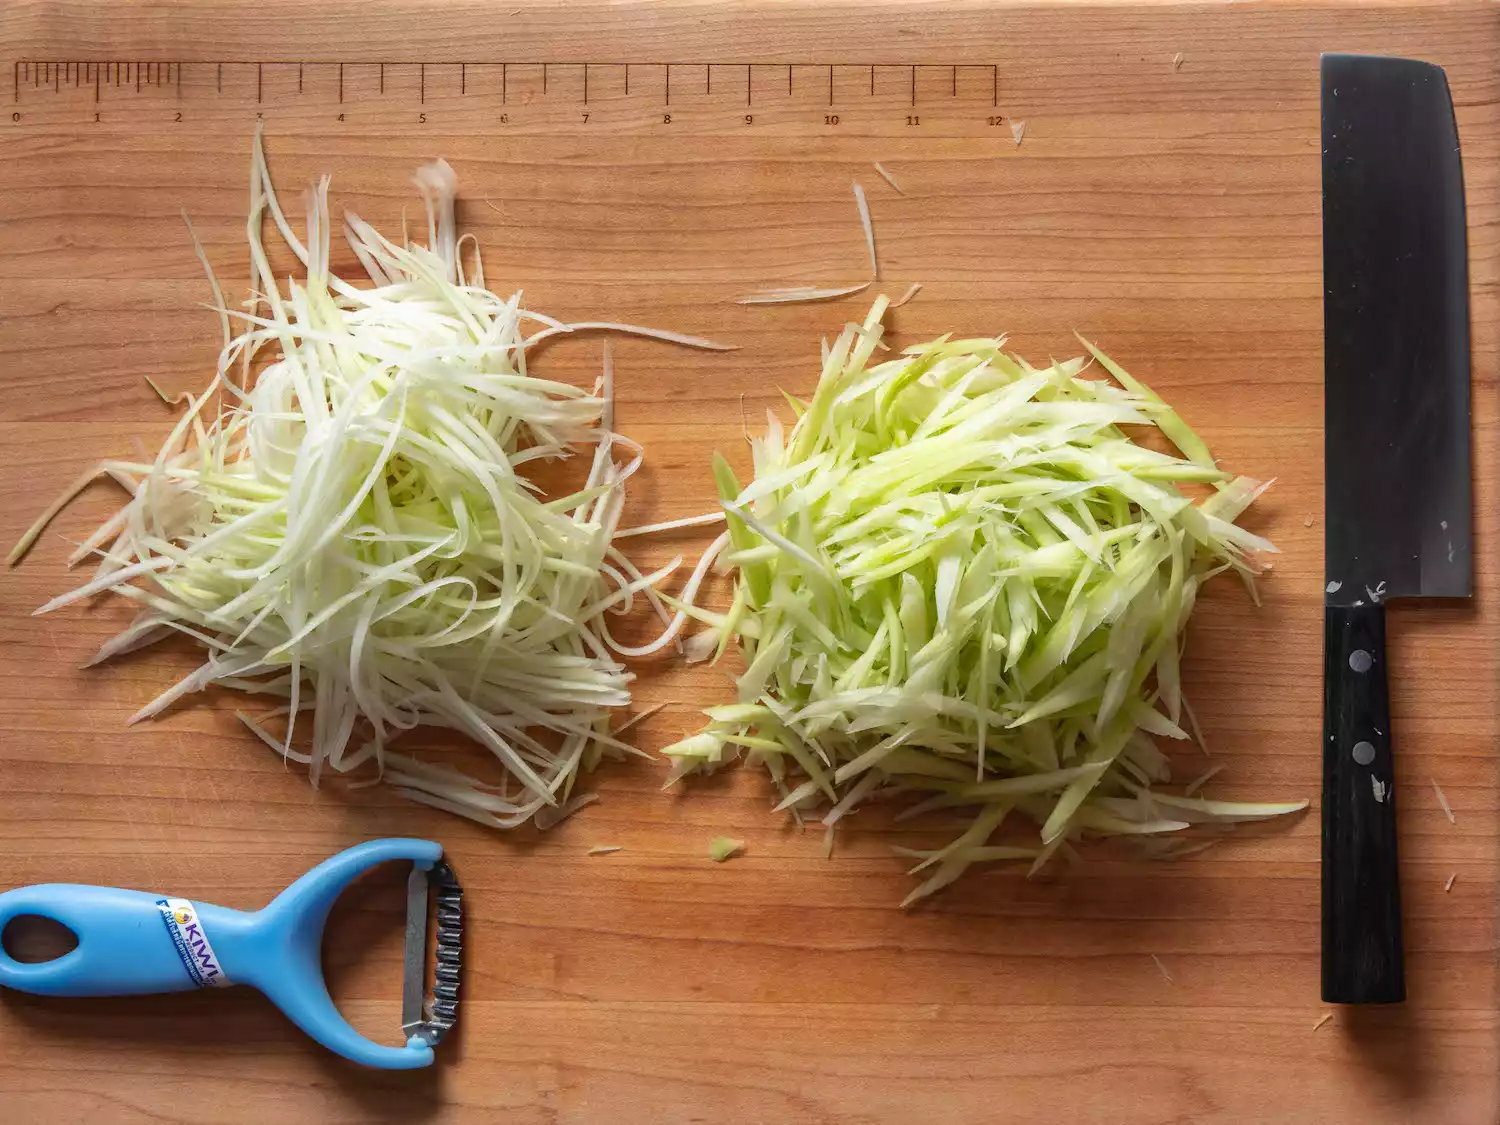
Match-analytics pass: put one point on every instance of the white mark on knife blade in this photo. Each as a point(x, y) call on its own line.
point(1443, 524)
point(1333, 587)
point(1450, 550)
point(1376, 594)
point(1380, 789)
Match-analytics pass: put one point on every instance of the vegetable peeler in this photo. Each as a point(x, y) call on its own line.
point(134, 942)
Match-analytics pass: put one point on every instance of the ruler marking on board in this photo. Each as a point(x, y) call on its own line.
point(542, 87)
point(819, 64)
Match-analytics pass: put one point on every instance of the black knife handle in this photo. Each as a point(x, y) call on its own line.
point(1362, 953)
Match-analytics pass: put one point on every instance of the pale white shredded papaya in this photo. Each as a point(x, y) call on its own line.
point(171, 400)
point(1443, 802)
point(911, 292)
point(959, 577)
point(1018, 130)
point(1448, 886)
point(1324, 1018)
point(1162, 969)
point(869, 229)
point(1198, 782)
point(671, 525)
point(605, 849)
point(553, 814)
point(628, 330)
point(349, 528)
point(220, 305)
point(888, 178)
point(66, 497)
point(639, 716)
point(800, 294)
point(1197, 731)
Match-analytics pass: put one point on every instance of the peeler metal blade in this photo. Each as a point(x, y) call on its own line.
point(429, 1018)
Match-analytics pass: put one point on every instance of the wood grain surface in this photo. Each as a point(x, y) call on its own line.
point(1164, 199)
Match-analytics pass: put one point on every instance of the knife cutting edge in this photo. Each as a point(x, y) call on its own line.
point(1396, 459)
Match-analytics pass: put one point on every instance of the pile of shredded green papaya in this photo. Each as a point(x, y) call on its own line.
point(960, 579)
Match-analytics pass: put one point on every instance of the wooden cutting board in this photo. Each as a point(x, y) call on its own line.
point(1163, 198)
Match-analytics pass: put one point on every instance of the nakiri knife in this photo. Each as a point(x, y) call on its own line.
point(1396, 458)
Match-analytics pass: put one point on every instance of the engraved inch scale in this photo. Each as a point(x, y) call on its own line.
point(927, 98)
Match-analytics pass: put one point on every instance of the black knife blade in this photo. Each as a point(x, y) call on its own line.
point(1396, 460)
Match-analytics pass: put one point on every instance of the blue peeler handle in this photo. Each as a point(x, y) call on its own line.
point(133, 942)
